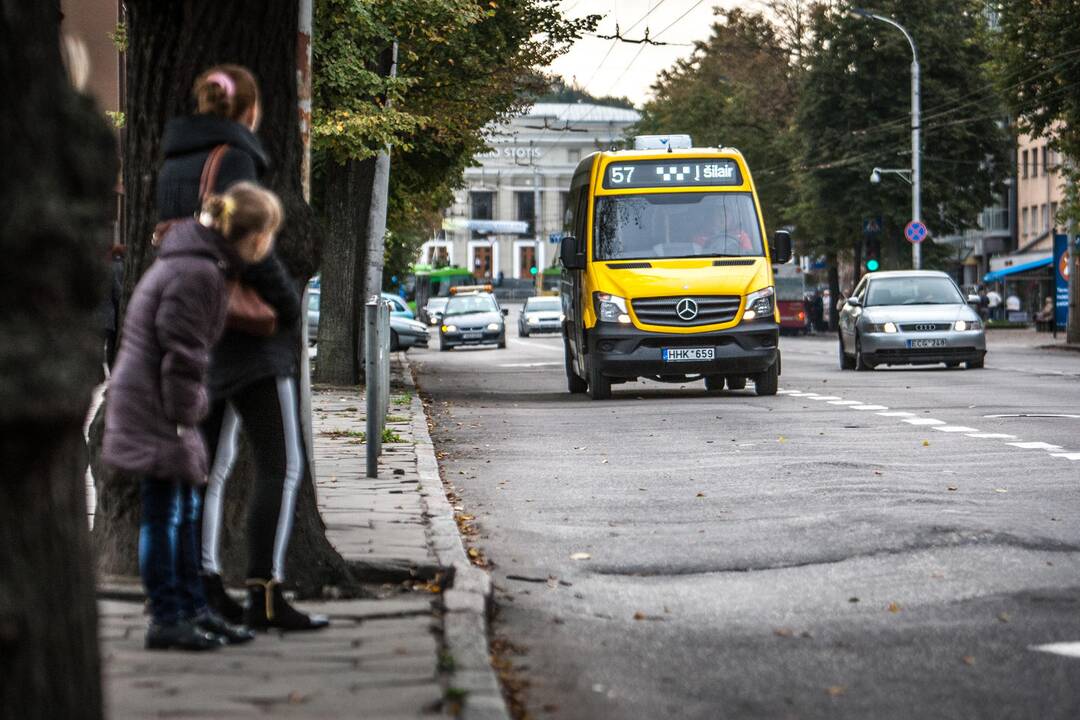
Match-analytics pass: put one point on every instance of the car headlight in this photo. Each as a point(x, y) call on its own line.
point(759, 304)
point(889, 327)
point(449, 328)
point(532, 317)
point(493, 327)
point(962, 325)
point(611, 308)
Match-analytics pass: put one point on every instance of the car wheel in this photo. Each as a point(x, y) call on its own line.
point(846, 363)
point(975, 364)
point(573, 383)
point(736, 382)
point(860, 359)
point(768, 382)
point(443, 347)
point(714, 383)
point(952, 365)
point(395, 342)
point(523, 332)
point(599, 386)
point(502, 340)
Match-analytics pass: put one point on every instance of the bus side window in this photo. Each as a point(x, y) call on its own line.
point(581, 216)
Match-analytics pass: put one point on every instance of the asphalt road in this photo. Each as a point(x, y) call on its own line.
point(680, 554)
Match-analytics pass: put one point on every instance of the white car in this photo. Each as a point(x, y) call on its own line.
point(541, 314)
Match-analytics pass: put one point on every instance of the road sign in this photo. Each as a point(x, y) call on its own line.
point(871, 226)
point(915, 232)
point(555, 238)
point(1061, 280)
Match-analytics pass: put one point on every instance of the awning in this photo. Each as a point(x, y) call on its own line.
point(1001, 274)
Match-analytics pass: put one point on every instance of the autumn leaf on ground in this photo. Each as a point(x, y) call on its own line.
point(1003, 617)
point(894, 607)
point(926, 443)
point(1000, 490)
point(968, 659)
point(835, 690)
point(952, 488)
point(701, 494)
point(474, 553)
point(784, 632)
point(580, 556)
point(639, 615)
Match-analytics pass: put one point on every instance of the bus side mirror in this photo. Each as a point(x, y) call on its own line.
point(780, 248)
point(570, 254)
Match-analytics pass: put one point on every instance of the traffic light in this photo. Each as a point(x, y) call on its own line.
point(872, 264)
point(533, 270)
point(873, 252)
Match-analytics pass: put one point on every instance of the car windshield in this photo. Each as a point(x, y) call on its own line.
point(465, 304)
point(437, 303)
point(546, 304)
point(676, 225)
point(913, 291)
point(790, 288)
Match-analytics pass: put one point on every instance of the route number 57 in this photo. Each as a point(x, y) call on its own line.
point(620, 175)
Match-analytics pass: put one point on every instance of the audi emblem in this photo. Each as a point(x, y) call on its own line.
point(925, 328)
point(686, 309)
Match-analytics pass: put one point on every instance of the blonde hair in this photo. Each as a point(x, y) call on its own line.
point(242, 210)
point(228, 91)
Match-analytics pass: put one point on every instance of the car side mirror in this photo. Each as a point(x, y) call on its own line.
point(570, 253)
point(506, 312)
point(780, 248)
point(854, 302)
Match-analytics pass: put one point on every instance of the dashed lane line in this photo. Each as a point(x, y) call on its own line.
point(827, 397)
point(992, 436)
point(845, 402)
point(897, 413)
point(1074, 456)
point(869, 407)
point(923, 421)
point(955, 428)
point(1068, 649)
point(1034, 446)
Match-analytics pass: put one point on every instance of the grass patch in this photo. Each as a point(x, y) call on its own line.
point(337, 434)
point(396, 419)
point(389, 436)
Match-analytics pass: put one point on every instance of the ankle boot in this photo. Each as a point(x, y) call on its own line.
point(268, 608)
point(220, 601)
point(182, 635)
point(211, 622)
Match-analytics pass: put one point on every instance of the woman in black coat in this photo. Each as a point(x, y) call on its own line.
point(252, 378)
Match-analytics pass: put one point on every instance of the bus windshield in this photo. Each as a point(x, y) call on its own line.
point(676, 225)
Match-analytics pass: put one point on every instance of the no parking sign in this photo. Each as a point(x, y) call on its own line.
point(915, 232)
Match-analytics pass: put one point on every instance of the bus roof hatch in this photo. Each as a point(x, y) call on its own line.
point(663, 142)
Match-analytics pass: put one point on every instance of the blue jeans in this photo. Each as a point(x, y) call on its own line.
point(169, 550)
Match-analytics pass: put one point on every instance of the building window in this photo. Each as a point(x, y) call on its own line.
point(1053, 214)
point(1024, 221)
point(482, 262)
point(573, 155)
point(481, 207)
point(1046, 165)
point(526, 209)
point(1035, 162)
point(1024, 165)
point(526, 261)
point(1045, 217)
point(564, 210)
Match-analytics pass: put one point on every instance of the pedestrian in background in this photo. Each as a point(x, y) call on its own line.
point(995, 304)
point(157, 397)
point(110, 306)
point(984, 304)
point(252, 378)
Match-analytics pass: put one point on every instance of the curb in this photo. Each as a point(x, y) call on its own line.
point(467, 602)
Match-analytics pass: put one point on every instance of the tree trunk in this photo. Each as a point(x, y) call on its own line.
point(346, 199)
point(56, 191)
point(833, 312)
point(169, 45)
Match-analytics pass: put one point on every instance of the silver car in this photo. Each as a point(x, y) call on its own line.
point(909, 317)
point(541, 314)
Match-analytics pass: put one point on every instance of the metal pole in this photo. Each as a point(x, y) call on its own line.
point(377, 213)
point(536, 219)
point(371, 390)
point(916, 157)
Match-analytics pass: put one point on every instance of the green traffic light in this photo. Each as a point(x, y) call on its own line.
point(872, 265)
point(532, 270)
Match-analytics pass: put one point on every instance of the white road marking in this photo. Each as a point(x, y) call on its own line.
point(811, 395)
point(529, 365)
point(924, 421)
point(992, 436)
point(869, 407)
point(897, 413)
point(1068, 455)
point(828, 397)
point(1034, 446)
point(845, 402)
point(1068, 649)
point(955, 428)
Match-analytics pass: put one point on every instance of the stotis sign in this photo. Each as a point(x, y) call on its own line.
point(676, 172)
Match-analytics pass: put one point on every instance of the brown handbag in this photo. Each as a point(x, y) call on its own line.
point(246, 311)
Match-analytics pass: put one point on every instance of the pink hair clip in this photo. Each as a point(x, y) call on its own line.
point(226, 82)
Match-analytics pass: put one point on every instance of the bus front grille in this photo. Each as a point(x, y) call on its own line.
point(711, 310)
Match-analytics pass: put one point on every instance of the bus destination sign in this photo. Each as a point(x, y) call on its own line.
point(668, 173)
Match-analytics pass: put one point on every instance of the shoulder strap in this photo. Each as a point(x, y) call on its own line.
point(210, 171)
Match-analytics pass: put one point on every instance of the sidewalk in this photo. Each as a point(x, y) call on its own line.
point(392, 657)
point(1027, 337)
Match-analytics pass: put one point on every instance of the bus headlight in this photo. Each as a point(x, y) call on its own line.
point(759, 304)
point(611, 308)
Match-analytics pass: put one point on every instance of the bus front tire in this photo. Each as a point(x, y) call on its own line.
point(574, 384)
point(714, 383)
point(768, 382)
point(736, 382)
point(599, 386)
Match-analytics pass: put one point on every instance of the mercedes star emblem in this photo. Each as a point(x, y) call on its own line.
point(686, 309)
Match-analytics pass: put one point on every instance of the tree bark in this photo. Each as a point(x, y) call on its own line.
point(346, 198)
point(169, 45)
point(56, 191)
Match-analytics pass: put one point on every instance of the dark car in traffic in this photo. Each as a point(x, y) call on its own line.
point(472, 318)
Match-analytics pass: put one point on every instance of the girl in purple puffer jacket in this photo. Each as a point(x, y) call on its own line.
point(157, 397)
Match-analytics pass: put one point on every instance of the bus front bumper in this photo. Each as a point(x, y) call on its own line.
point(621, 351)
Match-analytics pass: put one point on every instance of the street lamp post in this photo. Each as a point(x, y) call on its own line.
point(916, 156)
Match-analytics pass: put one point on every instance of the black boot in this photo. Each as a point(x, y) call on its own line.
point(220, 601)
point(268, 608)
point(182, 635)
point(211, 622)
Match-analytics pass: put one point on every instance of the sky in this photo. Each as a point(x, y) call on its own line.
point(629, 69)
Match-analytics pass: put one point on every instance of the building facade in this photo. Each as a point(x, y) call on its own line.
point(508, 218)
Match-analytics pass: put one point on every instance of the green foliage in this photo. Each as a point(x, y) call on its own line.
point(854, 114)
point(1039, 62)
point(735, 90)
point(117, 118)
point(119, 38)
